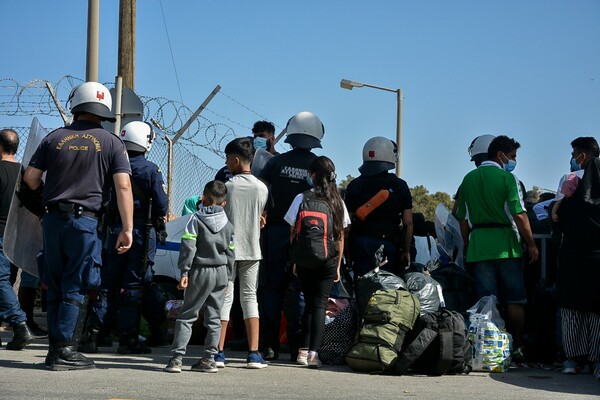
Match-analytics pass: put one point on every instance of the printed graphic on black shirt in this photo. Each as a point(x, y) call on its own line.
point(293, 173)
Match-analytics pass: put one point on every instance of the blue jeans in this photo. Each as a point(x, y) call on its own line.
point(10, 310)
point(72, 259)
point(502, 277)
point(120, 294)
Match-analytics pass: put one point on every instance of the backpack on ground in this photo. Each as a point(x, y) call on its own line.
point(389, 315)
point(438, 344)
point(458, 287)
point(313, 242)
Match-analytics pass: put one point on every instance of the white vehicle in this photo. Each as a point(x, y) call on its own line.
point(167, 255)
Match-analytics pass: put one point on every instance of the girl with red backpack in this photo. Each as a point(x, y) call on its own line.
point(317, 218)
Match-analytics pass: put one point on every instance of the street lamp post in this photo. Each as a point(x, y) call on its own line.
point(348, 84)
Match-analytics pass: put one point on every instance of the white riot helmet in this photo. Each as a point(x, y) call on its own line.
point(93, 98)
point(379, 154)
point(305, 130)
point(138, 136)
point(478, 150)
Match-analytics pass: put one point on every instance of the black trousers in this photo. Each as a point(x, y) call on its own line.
point(316, 285)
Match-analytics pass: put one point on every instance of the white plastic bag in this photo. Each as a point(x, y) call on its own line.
point(491, 344)
point(487, 306)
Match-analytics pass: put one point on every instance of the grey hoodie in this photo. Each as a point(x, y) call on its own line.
point(207, 241)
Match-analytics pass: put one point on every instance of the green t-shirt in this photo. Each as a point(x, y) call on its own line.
point(490, 195)
point(189, 205)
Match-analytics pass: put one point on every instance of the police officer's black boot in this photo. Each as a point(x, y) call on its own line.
point(21, 337)
point(65, 358)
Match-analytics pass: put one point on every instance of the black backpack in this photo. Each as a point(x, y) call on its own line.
point(438, 344)
point(313, 243)
point(458, 287)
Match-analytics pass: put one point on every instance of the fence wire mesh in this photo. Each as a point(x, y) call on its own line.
point(197, 155)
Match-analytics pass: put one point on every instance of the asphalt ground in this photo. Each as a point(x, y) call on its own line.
point(24, 376)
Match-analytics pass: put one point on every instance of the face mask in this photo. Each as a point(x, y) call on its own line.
point(574, 165)
point(309, 181)
point(260, 143)
point(509, 165)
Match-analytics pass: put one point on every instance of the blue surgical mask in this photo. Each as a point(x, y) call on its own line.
point(309, 181)
point(574, 165)
point(510, 166)
point(260, 143)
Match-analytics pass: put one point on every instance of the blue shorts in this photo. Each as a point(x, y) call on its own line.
point(502, 277)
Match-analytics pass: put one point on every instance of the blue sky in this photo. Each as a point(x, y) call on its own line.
point(527, 69)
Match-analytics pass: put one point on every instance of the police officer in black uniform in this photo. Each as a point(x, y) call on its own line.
point(287, 175)
point(383, 226)
point(124, 276)
point(81, 161)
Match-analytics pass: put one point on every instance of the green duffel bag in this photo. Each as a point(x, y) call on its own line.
point(388, 316)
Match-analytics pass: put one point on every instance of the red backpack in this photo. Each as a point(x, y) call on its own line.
point(313, 243)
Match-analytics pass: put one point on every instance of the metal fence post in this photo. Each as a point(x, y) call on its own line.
point(169, 174)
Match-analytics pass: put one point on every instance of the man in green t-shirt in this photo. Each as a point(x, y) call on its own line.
point(493, 221)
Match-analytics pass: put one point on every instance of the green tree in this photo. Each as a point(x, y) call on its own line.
point(426, 203)
point(345, 182)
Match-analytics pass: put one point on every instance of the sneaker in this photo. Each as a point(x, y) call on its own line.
point(205, 365)
point(313, 360)
point(174, 365)
point(569, 367)
point(255, 361)
point(597, 371)
point(302, 358)
point(220, 359)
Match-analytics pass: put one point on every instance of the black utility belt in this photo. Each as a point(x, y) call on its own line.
point(68, 209)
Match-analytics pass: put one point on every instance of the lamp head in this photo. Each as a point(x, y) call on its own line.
point(348, 84)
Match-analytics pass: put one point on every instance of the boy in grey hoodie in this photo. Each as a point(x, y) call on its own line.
point(206, 258)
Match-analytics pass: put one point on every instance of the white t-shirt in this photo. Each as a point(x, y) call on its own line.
point(292, 212)
point(246, 200)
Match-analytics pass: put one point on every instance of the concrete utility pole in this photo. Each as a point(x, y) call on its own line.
point(126, 65)
point(91, 68)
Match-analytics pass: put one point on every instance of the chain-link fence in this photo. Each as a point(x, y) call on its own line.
point(197, 155)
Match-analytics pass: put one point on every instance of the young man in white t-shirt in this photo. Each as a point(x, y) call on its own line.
point(246, 201)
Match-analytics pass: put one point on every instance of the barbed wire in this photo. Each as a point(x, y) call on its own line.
point(198, 153)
